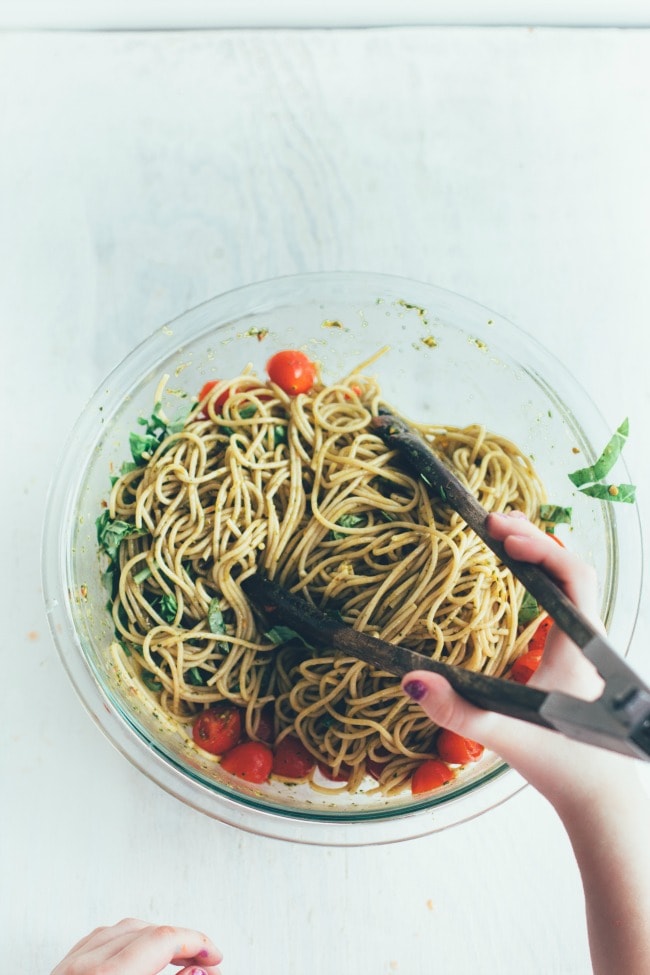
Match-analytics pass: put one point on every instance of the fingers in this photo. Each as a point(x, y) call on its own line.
point(524, 541)
point(133, 947)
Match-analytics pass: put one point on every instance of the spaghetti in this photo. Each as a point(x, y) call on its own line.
point(299, 487)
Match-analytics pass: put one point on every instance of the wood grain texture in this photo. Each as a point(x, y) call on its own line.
point(143, 173)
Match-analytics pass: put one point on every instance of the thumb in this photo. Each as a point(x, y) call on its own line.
point(447, 709)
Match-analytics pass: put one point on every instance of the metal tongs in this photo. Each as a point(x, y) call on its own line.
point(618, 720)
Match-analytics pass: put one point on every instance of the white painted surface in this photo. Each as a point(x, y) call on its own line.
point(142, 174)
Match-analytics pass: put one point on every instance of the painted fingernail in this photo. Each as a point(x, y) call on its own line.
point(203, 953)
point(198, 971)
point(415, 689)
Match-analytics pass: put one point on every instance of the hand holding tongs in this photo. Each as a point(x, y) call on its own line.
point(618, 720)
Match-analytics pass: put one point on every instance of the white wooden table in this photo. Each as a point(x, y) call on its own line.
point(143, 173)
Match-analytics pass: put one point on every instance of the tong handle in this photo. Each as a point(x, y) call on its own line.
point(419, 455)
point(489, 693)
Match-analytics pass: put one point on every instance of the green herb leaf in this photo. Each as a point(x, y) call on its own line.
point(166, 606)
point(279, 434)
point(555, 514)
point(142, 444)
point(111, 532)
point(625, 493)
point(606, 461)
point(529, 609)
point(151, 681)
point(284, 634)
point(142, 575)
point(347, 521)
point(195, 676)
point(388, 516)
point(247, 412)
point(216, 622)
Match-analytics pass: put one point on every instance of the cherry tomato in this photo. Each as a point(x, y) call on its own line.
point(525, 666)
point(375, 768)
point(220, 400)
point(292, 371)
point(218, 728)
point(456, 750)
point(430, 775)
point(538, 640)
point(292, 760)
point(266, 725)
point(251, 761)
point(343, 775)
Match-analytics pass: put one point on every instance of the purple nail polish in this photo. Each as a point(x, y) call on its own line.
point(198, 971)
point(203, 953)
point(415, 689)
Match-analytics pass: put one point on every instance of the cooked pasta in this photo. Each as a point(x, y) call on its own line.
point(302, 489)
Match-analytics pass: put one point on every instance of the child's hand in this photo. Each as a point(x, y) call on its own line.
point(135, 948)
point(557, 766)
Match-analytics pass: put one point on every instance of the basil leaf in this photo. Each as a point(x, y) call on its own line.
point(141, 444)
point(284, 634)
point(142, 575)
point(606, 460)
point(151, 681)
point(555, 514)
point(611, 492)
point(195, 676)
point(111, 532)
point(388, 516)
point(166, 606)
point(279, 434)
point(529, 609)
point(216, 622)
point(247, 412)
point(347, 521)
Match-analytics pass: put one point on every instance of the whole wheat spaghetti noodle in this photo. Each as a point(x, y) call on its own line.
point(302, 489)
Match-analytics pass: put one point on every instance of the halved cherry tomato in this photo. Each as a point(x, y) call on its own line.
point(456, 750)
point(525, 666)
point(430, 775)
point(218, 728)
point(266, 726)
point(292, 371)
point(251, 761)
point(538, 640)
point(343, 775)
point(220, 400)
point(292, 760)
point(374, 768)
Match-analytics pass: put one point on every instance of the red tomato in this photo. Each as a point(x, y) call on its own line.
point(292, 760)
point(218, 728)
point(456, 750)
point(292, 371)
point(524, 668)
point(374, 768)
point(430, 775)
point(266, 725)
point(343, 774)
point(220, 400)
point(538, 640)
point(251, 761)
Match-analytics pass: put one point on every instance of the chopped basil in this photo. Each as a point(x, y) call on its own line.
point(611, 492)
point(555, 514)
point(195, 676)
point(142, 575)
point(216, 622)
point(111, 532)
point(279, 434)
point(284, 634)
point(387, 516)
point(166, 606)
point(151, 681)
point(604, 464)
point(142, 444)
point(347, 521)
point(247, 412)
point(529, 609)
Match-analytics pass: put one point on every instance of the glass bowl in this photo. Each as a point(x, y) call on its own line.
point(450, 361)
